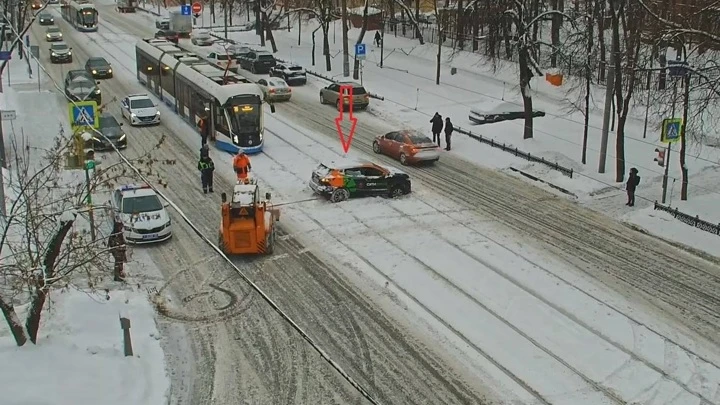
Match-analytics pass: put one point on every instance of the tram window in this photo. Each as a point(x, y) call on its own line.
point(220, 120)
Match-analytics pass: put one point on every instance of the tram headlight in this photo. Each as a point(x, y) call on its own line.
point(261, 136)
point(235, 139)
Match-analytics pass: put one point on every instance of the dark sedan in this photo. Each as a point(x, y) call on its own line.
point(113, 134)
point(46, 19)
point(99, 68)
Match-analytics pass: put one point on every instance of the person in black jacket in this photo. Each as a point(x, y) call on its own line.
point(378, 38)
point(448, 132)
point(207, 169)
point(204, 151)
point(631, 185)
point(118, 249)
point(437, 126)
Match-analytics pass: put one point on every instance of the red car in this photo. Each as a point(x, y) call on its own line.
point(409, 147)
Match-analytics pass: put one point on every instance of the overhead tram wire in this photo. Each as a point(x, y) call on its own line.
point(356, 385)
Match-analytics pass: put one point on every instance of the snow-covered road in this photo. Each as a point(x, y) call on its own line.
point(447, 253)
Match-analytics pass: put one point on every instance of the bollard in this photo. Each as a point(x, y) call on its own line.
point(127, 343)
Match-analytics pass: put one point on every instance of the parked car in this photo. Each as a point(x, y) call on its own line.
point(202, 38)
point(292, 74)
point(45, 18)
point(113, 134)
point(339, 182)
point(239, 51)
point(99, 68)
point(139, 109)
point(501, 112)
point(409, 147)
point(143, 214)
point(275, 89)
point(331, 95)
point(60, 52)
point(81, 86)
point(53, 34)
point(257, 62)
point(168, 35)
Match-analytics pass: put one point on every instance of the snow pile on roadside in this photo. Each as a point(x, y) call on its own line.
point(79, 357)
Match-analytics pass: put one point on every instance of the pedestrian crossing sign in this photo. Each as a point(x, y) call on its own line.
point(83, 114)
point(671, 130)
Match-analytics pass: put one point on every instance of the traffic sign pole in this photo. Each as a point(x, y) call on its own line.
point(90, 165)
point(669, 148)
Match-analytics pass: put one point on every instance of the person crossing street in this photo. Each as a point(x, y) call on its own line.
point(437, 126)
point(242, 167)
point(449, 128)
point(207, 172)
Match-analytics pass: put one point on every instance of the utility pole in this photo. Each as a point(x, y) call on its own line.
point(382, 38)
point(3, 165)
point(609, 84)
point(346, 55)
point(669, 147)
point(90, 165)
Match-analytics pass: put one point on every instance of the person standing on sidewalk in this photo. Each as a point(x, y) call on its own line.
point(631, 185)
point(448, 132)
point(378, 38)
point(118, 249)
point(437, 126)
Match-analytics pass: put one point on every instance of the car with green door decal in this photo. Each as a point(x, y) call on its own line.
point(341, 181)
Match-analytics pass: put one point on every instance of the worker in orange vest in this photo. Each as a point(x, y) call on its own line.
point(241, 165)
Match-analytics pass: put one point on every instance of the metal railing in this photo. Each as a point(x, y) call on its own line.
point(693, 221)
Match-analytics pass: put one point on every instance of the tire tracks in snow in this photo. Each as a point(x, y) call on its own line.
point(598, 385)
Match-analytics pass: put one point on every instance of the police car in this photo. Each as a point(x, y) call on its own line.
point(142, 213)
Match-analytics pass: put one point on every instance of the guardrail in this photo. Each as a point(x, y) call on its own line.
point(488, 141)
point(693, 221)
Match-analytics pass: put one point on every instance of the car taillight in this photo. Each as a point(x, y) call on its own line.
point(272, 90)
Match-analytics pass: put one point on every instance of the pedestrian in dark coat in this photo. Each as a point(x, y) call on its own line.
point(437, 126)
point(632, 183)
point(448, 132)
point(204, 128)
point(207, 170)
point(118, 249)
point(378, 38)
point(204, 151)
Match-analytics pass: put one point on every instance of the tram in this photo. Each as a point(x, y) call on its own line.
point(82, 15)
point(193, 87)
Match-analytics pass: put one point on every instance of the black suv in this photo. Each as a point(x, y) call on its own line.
point(257, 61)
point(292, 74)
point(339, 182)
point(81, 86)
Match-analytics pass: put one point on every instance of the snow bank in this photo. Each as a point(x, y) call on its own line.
point(79, 358)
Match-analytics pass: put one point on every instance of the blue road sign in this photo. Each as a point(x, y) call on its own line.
point(360, 51)
point(185, 9)
point(5, 55)
point(84, 114)
point(671, 130)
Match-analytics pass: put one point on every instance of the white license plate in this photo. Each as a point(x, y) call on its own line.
point(151, 236)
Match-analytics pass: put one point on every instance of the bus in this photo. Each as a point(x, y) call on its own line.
point(81, 15)
point(193, 87)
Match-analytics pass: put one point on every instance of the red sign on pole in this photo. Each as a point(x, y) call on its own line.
point(197, 8)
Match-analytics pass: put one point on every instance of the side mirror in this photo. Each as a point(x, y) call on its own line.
point(122, 123)
point(97, 82)
point(272, 108)
point(267, 196)
point(166, 204)
point(71, 48)
point(223, 197)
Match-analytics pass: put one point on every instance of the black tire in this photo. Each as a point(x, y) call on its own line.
point(252, 68)
point(403, 159)
point(339, 195)
point(397, 192)
point(376, 147)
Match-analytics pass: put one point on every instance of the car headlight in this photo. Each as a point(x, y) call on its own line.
point(53, 54)
point(69, 53)
point(94, 71)
point(133, 115)
point(97, 91)
point(109, 70)
point(60, 35)
point(167, 225)
point(47, 35)
point(157, 113)
point(122, 138)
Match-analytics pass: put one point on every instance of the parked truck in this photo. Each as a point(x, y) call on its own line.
point(126, 6)
point(182, 24)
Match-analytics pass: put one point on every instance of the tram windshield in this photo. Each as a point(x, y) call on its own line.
point(88, 17)
point(245, 118)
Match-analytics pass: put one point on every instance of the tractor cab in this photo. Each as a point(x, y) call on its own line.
point(248, 223)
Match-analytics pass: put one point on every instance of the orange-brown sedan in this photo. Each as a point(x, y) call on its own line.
point(409, 147)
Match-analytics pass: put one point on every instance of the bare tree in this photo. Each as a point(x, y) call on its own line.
point(361, 36)
point(413, 20)
point(524, 18)
point(46, 242)
point(15, 15)
point(322, 11)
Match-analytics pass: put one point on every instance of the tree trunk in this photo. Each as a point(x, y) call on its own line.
point(417, 18)
point(326, 46)
point(683, 141)
point(32, 322)
point(268, 32)
point(525, 75)
point(600, 16)
point(588, 79)
point(313, 45)
point(555, 32)
point(459, 24)
point(438, 59)
point(13, 322)
point(475, 28)
point(363, 29)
